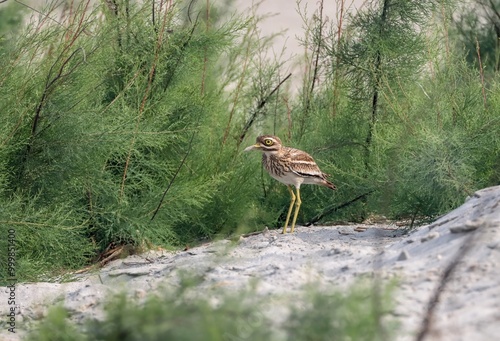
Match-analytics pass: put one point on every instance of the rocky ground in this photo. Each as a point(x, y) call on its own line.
point(329, 256)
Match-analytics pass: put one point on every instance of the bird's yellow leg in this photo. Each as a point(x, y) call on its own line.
point(289, 209)
point(297, 208)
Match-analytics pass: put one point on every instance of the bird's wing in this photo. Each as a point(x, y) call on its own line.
point(303, 164)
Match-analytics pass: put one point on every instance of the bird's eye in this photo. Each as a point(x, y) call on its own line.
point(268, 142)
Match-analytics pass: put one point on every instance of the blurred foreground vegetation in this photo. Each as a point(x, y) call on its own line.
point(234, 316)
point(123, 122)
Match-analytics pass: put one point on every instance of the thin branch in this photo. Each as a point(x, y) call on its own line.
point(175, 175)
point(376, 90)
point(180, 54)
point(50, 83)
point(153, 22)
point(336, 208)
point(289, 116)
point(446, 33)
point(238, 90)
point(337, 63)
point(205, 57)
point(481, 72)
point(275, 112)
point(144, 100)
point(318, 34)
point(43, 225)
point(252, 118)
point(191, 3)
point(46, 16)
point(318, 50)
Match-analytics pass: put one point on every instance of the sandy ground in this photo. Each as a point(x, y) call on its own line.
point(329, 257)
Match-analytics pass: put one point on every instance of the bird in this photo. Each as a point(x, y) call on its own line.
point(289, 166)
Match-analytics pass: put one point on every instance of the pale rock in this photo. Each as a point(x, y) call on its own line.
point(429, 236)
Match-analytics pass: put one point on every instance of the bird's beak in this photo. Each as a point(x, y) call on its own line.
point(252, 147)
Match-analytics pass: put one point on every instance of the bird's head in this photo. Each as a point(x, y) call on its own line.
point(266, 143)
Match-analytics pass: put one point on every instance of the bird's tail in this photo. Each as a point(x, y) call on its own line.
point(330, 185)
point(327, 183)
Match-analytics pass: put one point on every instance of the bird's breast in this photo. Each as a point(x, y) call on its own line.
point(274, 165)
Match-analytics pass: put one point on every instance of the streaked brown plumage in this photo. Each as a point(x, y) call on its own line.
point(289, 166)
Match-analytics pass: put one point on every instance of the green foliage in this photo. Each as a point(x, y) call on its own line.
point(11, 17)
point(234, 316)
point(167, 317)
point(477, 32)
point(46, 240)
point(102, 117)
point(441, 153)
point(56, 328)
point(355, 315)
point(397, 114)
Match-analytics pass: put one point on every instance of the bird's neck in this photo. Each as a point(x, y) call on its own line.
point(272, 152)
